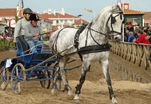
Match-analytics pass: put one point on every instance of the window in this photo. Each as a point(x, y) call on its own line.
point(134, 20)
point(57, 21)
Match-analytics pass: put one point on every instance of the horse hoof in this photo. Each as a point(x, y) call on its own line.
point(53, 92)
point(76, 98)
point(77, 101)
point(114, 101)
point(70, 97)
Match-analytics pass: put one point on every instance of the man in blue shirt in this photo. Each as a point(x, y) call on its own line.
point(130, 37)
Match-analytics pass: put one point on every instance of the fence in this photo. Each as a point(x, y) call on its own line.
point(139, 54)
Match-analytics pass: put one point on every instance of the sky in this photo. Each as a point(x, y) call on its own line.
point(75, 7)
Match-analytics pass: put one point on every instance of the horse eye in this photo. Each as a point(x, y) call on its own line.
point(120, 16)
point(113, 20)
point(123, 22)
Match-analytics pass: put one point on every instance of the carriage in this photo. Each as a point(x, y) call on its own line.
point(26, 66)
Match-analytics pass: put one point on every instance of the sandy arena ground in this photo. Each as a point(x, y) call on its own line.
point(94, 90)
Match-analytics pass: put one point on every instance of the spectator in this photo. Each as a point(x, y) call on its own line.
point(141, 38)
point(130, 27)
point(130, 37)
point(126, 27)
point(126, 35)
point(147, 33)
point(136, 28)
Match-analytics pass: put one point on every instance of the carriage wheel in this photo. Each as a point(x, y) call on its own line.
point(59, 84)
point(16, 77)
point(45, 74)
point(4, 78)
point(56, 76)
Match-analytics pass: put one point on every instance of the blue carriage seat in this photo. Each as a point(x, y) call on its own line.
point(21, 45)
point(34, 58)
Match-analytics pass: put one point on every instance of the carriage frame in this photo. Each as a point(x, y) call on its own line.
point(27, 66)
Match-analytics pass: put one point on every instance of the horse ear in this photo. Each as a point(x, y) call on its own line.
point(117, 9)
point(113, 5)
point(119, 4)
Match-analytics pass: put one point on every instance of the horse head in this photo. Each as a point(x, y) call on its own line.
point(109, 21)
point(115, 21)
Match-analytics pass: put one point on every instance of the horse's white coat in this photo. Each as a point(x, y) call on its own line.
point(63, 39)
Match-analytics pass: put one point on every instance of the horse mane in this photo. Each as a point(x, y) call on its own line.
point(103, 15)
point(110, 9)
point(116, 9)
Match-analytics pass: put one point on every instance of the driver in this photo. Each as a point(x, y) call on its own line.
point(32, 33)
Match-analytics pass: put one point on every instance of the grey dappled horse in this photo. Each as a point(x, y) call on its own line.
point(90, 45)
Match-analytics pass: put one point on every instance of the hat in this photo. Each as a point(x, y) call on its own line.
point(34, 17)
point(27, 11)
point(146, 31)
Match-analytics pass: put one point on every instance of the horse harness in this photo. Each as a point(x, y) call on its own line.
point(89, 49)
point(86, 49)
point(93, 48)
point(113, 20)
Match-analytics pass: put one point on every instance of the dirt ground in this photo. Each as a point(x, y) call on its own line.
point(94, 90)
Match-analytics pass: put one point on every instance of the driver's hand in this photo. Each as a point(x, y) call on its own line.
point(14, 41)
point(36, 34)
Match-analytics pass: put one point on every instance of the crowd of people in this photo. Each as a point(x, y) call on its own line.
point(137, 34)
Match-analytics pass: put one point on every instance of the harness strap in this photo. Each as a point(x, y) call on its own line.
point(76, 39)
point(94, 48)
point(54, 46)
point(89, 27)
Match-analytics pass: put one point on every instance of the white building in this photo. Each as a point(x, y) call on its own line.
point(61, 19)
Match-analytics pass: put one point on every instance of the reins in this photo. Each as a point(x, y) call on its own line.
point(89, 28)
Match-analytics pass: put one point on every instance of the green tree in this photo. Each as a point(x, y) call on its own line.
point(16, 18)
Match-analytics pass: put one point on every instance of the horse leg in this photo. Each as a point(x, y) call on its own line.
point(53, 84)
point(85, 69)
point(105, 69)
point(62, 63)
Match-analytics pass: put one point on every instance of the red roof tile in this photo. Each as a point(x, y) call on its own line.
point(147, 15)
point(58, 15)
point(129, 11)
point(7, 12)
point(2, 19)
point(43, 17)
point(80, 21)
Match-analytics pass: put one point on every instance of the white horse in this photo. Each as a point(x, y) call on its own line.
point(88, 45)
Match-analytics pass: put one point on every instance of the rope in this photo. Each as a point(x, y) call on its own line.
point(48, 59)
